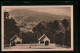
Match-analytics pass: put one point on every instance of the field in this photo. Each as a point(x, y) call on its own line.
point(34, 46)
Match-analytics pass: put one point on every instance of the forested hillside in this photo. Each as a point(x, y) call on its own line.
point(31, 25)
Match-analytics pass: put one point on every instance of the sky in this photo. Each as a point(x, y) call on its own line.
point(58, 10)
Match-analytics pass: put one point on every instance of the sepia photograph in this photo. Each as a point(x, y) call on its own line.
point(37, 28)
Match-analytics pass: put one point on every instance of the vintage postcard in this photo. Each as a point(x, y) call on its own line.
point(37, 28)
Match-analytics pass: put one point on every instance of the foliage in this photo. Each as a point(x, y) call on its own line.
point(52, 29)
point(39, 30)
point(28, 38)
point(65, 23)
point(59, 38)
point(68, 38)
point(56, 30)
point(10, 29)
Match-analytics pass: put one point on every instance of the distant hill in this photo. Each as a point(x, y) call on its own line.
point(26, 17)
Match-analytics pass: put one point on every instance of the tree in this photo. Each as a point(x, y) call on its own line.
point(28, 38)
point(59, 38)
point(10, 29)
point(52, 27)
point(50, 31)
point(56, 25)
point(68, 38)
point(65, 23)
point(67, 33)
point(38, 30)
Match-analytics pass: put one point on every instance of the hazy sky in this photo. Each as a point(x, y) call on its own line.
point(59, 10)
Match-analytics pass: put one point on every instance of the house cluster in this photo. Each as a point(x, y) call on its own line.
point(41, 40)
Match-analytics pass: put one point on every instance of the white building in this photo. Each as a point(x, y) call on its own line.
point(44, 40)
point(15, 40)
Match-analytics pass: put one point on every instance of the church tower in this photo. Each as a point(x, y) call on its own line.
point(6, 15)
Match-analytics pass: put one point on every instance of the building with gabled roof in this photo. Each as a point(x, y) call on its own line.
point(15, 40)
point(44, 40)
